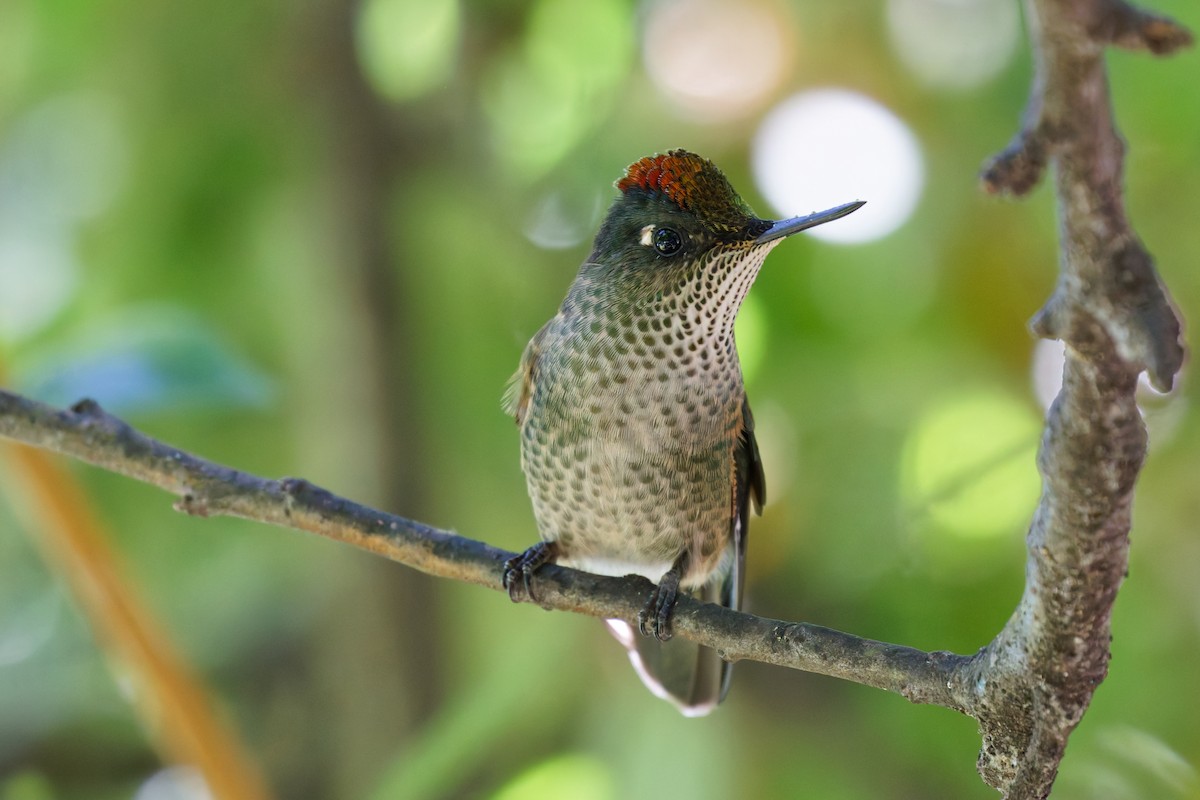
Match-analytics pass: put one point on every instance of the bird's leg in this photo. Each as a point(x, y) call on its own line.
point(519, 570)
point(655, 619)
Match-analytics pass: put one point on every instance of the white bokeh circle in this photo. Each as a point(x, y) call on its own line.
point(824, 147)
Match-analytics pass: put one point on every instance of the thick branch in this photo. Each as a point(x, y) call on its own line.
point(1113, 313)
point(90, 434)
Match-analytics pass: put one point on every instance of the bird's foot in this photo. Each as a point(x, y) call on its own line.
point(655, 619)
point(518, 571)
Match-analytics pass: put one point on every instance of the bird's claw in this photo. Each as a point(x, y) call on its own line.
point(655, 619)
point(518, 570)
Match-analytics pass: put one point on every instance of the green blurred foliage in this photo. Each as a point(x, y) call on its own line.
point(299, 238)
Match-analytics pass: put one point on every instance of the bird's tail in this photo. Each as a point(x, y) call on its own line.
point(691, 676)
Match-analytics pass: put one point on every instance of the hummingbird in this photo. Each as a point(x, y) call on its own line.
point(637, 440)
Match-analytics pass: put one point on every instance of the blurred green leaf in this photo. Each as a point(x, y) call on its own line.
point(577, 776)
point(543, 98)
point(27, 786)
point(407, 46)
point(1154, 756)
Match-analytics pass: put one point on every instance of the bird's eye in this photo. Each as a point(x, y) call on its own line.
point(667, 241)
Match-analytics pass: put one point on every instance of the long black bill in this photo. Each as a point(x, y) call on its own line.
point(786, 227)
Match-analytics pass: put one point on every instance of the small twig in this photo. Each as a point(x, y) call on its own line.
point(1018, 168)
point(1125, 26)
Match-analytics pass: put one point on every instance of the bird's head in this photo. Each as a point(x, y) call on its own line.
point(676, 218)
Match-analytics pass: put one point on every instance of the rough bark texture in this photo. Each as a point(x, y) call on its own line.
point(1036, 679)
point(1031, 685)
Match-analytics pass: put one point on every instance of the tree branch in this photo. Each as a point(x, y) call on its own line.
point(1116, 319)
point(88, 433)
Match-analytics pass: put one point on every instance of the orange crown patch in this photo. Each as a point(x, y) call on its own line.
point(692, 183)
point(673, 174)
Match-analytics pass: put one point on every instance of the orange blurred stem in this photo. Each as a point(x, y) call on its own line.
point(171, 701)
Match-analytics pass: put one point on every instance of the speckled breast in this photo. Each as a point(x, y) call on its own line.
point(628, 442)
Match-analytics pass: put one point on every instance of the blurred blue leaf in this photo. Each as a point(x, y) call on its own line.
point(153, 358)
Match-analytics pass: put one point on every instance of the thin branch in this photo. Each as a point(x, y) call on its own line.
point(90, 434)
point(1123, 25)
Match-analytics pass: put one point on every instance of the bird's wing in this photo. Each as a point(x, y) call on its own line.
point(749, 490)
point(520, 385)
point(711, 674)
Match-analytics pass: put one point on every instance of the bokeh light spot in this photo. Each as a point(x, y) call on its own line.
point(954, 44)
point(61, 163)
point(562, 219)
point(407, 47)
point(589, 40)
point(38, 277)
point(829, 146)
point(174, 783)
point(575, 776)
point(1049, 356)
point(1162, 413)
point(716, 59)
point(969, 464)
point(542, 98)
